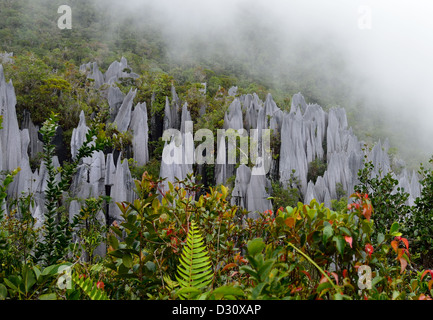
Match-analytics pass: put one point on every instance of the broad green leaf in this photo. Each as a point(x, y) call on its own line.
point(311, 213)
point(380, 238)
point(323, 286)
point(37, 272)
point(150, 266)
point(255, 246)
point(251, 272)
point(265, 269)
point(116, 253)
point(340, 243)
point(280, 221)
point(257, 290)
point(376, 280)
point(3, 292)
point(50, 270)
point(228, 290)
point(112, 240)
point(28, 278)
point(327, 233)
point(345, 231)
point(12, 285)
point(127, 260)
point(224, 191)
point(394, 228)
point(48, 296)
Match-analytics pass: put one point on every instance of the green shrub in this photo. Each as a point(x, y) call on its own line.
point(389, 206)
point(419, 224)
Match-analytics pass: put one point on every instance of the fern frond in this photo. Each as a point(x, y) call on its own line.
point(89, 288)
point(194, 268)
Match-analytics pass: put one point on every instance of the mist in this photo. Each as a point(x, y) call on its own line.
point(384, 68)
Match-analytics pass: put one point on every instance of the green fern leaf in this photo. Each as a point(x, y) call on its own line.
point(89, 288)
point(194, 269)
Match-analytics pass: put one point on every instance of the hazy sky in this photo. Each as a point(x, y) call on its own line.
point(393, 54)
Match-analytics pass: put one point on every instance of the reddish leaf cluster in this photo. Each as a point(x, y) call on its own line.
point(369, 249)
point(401, 251)
point(363, 203)
point(100, 285)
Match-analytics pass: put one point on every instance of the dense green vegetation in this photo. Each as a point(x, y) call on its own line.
point(179, 247)
point(295, 251)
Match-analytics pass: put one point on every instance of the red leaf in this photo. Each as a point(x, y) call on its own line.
point(323, 279)
point(335, 277)
point(290, 222)
point(394, 245)
point(400, 253)
point(366, 212)
point(348, 240)
point(430, 283)
point(369, 249)
point(345, 273)
point(229, 266)
point(403, 263)
point(296, 290)
point(406, 243)
point(424, 273)
point(100, 285)
point(234, 273)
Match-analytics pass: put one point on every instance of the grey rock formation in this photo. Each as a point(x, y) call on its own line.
point(311, 193)
point(123, 117)
point(233, 118)
point(10, 134)
point(257, 195)
point(176, 158)
point(119, 70)
point(172, 110)
point(97, 174)
point(233, 91)
point(110, 170)
point(304, 133)
point(298, 101)
point(252, 106)
point(115, 100)
point(79, 135)
point(172, 162)
point(122, 189)
point(292, 153)
point(23, 183)
point(35, 145)
point(242, 181)
point(337, 122)
point(92, 71)
point(140, 130)
point(74, 210)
